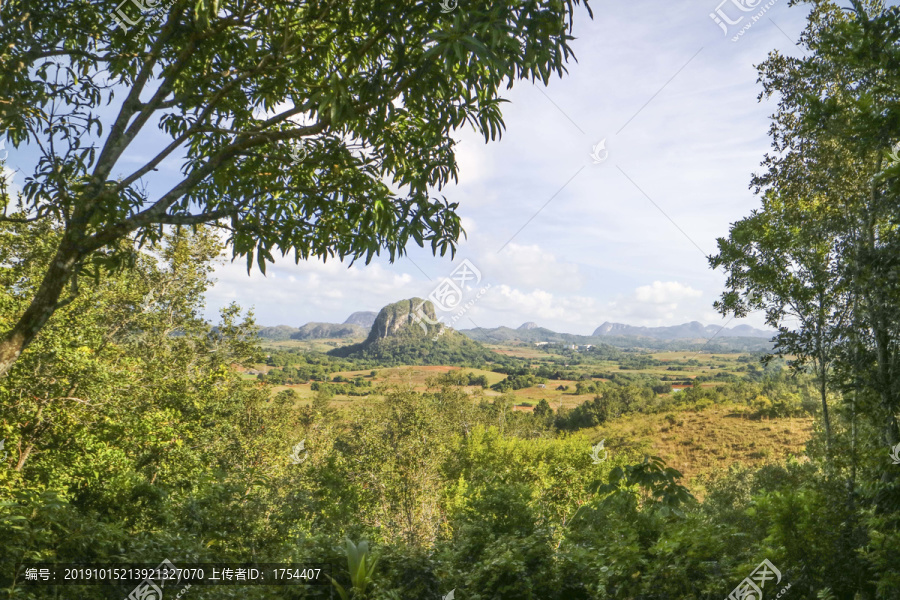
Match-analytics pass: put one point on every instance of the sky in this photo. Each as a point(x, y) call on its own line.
point(601, 201)
point(557, 238)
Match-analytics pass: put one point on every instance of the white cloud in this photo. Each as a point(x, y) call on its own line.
point(667, 292)
point(531, 267)
point(295, 294)
point(660, 303)
point(591, 243)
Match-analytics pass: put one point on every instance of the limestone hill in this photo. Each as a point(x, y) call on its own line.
point(403, 333)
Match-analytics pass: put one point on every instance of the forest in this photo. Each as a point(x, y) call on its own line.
point(132, 433)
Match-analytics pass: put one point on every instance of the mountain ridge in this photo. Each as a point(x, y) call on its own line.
point(363, 318)
point(408, 332)
point(686, 335)
point(691, 330)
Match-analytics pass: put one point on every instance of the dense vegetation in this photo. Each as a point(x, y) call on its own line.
point(412, 346)
point(137, 459)
point(131, 434)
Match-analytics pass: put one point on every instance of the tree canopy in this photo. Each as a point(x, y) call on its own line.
point(314, 128)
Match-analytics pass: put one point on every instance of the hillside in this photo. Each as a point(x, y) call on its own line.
point(692, 336)
point(277, 333)
point(700, 443)
point(708, 342)
point(313, 331)
point(692, 330)
point(362, 318)
point(399, 337)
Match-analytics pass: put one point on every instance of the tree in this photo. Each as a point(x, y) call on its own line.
point(783, 259)
point(121, 436)
point(368, 93)
point(836, 176)
point(822, 249)
point(543, 410)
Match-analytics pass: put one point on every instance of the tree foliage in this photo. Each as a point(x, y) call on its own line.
point(372, 93)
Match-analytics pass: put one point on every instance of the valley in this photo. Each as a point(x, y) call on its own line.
point(695, 420)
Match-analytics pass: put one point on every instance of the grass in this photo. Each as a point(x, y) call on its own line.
point(695, 443)
point(322, 345)
point(698, 443)
point(520, 351)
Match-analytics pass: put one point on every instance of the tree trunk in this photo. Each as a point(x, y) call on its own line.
point(823, 390)
point(43, 305)
point(23, 456)
point(823, 372)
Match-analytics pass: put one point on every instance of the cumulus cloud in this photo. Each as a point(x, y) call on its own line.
point(310, 291)
point(659, 303)
point(592, 242)
point(530, 266)
point(660, 292)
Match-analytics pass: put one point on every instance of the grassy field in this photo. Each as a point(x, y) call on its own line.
point(416, 377)
point(683, 364)
point(521, 351)
point(695, 443)
point(698, 443)
point(322, 345)
point(677, 366)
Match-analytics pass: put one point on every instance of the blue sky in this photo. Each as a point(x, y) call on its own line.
point(676, 101)
point(559, 239)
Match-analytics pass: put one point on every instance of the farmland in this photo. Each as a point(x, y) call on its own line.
point(697, 439)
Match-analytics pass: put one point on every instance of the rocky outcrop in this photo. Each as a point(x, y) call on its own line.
point(401, 315)
point(408, 333)
point(363, 318)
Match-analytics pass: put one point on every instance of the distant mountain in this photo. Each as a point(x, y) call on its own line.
point(690, 336)
point(692, 330)
point(399, 336)
point(317, 331)
point(277, 333)
point(357, 325)
point(500, 335)
point(362, 318)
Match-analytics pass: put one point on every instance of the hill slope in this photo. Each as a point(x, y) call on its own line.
point(399, 337)
point(692, 330)
point(742, 338)
point(315, 331)
point(362, 318)
point(277, 333)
